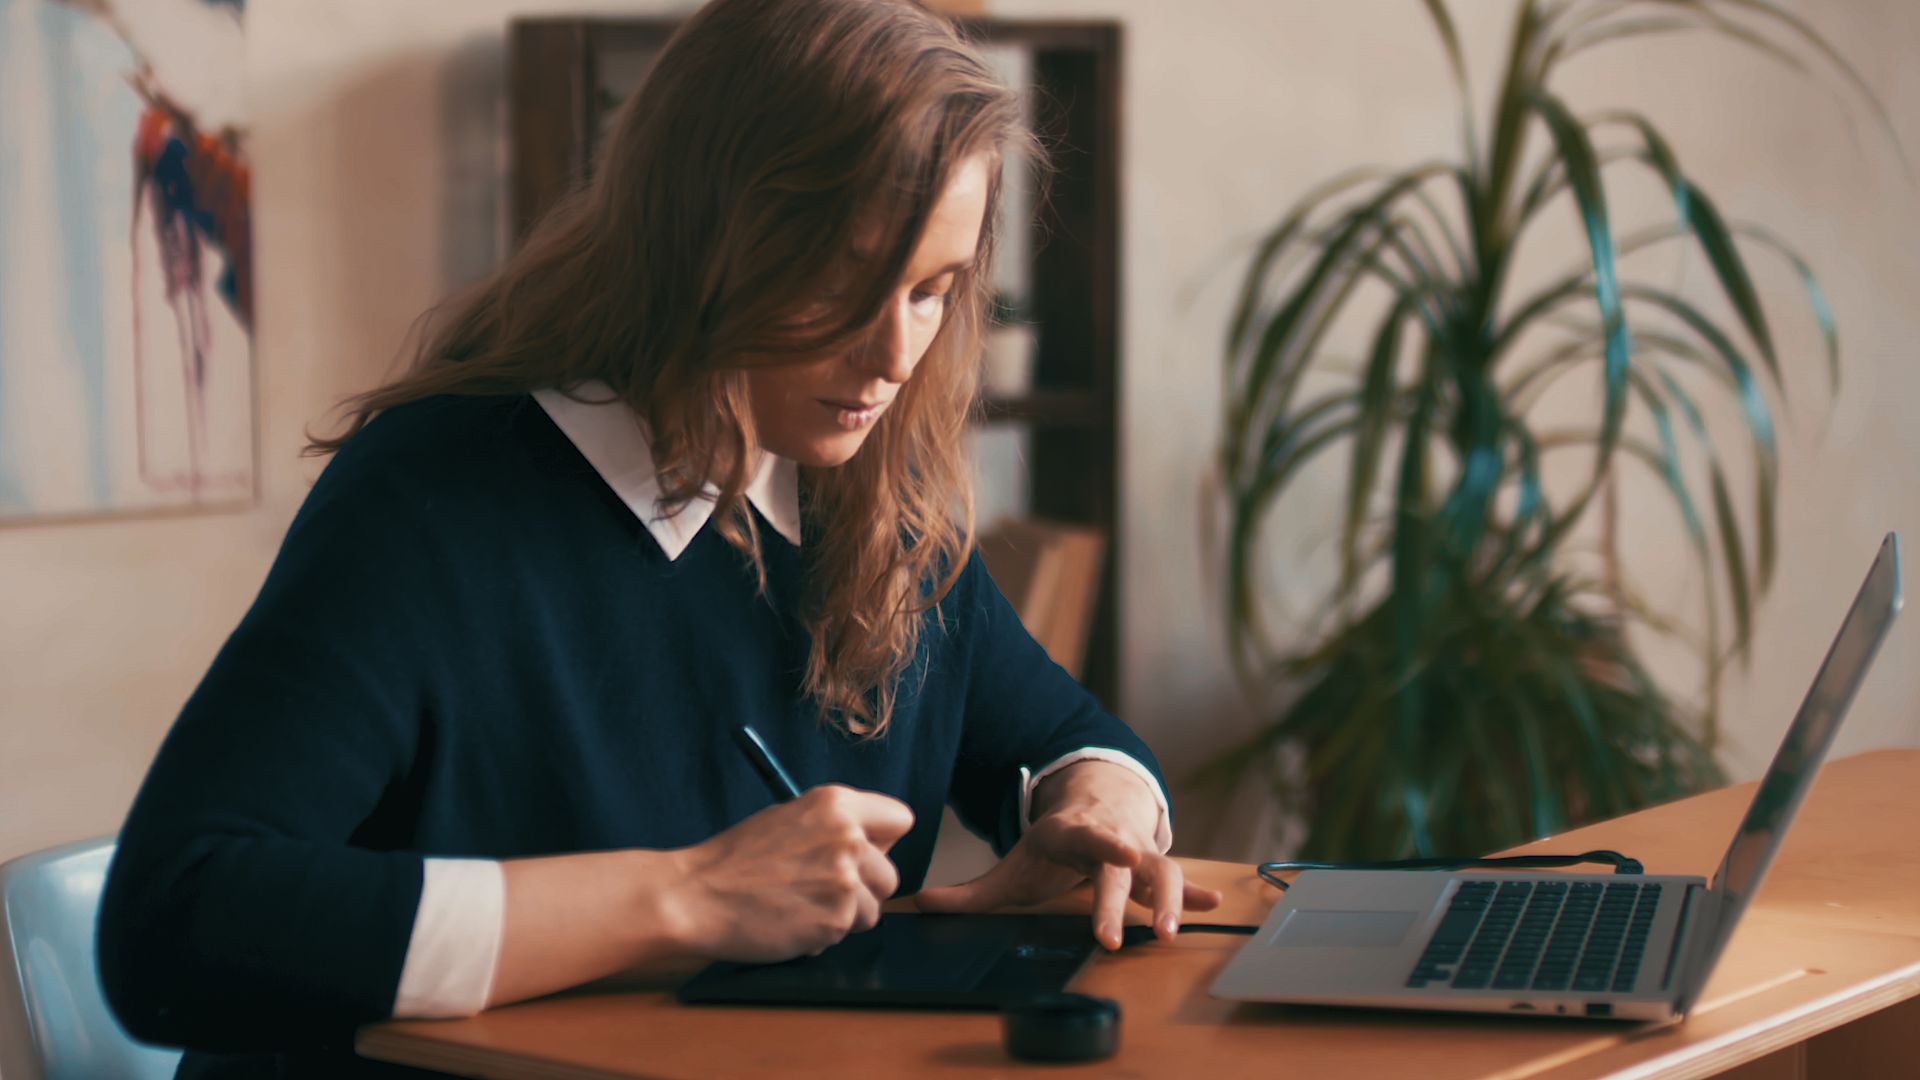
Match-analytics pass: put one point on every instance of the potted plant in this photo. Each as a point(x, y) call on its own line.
point(1466, 685)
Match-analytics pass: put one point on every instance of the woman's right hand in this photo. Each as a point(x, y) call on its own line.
point(787, 881)
point(793, 878)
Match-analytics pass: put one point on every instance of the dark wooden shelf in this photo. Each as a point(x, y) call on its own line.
point(1049, 409)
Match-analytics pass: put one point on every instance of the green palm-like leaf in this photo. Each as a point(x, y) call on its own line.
point(1583, 173)
point(1759, 427)
point(1466, 689)
point(1816, 296)
point(1375, 419)
point(1457, 61)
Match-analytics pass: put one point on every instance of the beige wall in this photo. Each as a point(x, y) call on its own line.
point(377, 178)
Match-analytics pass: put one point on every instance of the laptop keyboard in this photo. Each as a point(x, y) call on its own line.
point(1540, 935)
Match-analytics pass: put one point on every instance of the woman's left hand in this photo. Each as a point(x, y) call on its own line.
point(1092, 820)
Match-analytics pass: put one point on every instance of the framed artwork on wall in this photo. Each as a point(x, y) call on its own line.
point(126, 279)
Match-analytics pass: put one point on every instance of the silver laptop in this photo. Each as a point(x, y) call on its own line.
point(1600, 945)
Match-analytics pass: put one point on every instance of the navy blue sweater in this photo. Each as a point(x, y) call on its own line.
point(469, 647)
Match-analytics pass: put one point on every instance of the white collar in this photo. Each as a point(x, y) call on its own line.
point(614, 441)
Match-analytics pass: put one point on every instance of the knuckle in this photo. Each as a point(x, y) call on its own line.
point(845, 874)
point(822, 938)
point(846, 916)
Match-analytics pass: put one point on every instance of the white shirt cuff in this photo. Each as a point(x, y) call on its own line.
point(455, 942)
point(1162, 833)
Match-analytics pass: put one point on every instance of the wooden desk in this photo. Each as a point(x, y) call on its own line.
point(1833, 942)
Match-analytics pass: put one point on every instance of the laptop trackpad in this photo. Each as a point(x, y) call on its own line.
point(1345, 929)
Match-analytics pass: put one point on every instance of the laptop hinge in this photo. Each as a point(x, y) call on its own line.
point(1679, 936)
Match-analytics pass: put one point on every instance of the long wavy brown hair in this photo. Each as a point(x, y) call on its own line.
point(768, 134)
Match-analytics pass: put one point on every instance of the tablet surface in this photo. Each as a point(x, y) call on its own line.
point(915, 960)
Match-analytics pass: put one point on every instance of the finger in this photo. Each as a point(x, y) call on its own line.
point(867, 914)
point(877, 873)
point(881, 818)
point(1111, 884)
point(1193, 897)
point(988, 891)
point(1160, 884)
point(1200, 898)
point(1085, 846)
point(885, 818)
point(1094, 846)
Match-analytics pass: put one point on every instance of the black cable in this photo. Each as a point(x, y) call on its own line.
point(1140, 935)
point(1621, 864)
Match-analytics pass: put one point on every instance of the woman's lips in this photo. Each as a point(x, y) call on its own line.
point(854, 415)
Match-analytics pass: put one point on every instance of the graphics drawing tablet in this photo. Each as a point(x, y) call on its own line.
point(915, 960)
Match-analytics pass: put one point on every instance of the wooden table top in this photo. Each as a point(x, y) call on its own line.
point(1833, 935)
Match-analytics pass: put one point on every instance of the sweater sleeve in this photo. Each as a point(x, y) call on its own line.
point(1023, 711)
point(250, 904)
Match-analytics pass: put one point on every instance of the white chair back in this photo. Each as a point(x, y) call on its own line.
point(54, 1022)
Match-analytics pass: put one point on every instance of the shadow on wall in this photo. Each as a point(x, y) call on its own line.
point(1241, 823)
point(474, 224)
point(413, 152)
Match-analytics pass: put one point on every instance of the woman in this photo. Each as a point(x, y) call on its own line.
point(691, 458)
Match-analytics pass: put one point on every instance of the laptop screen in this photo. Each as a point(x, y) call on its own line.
point(1801, 752)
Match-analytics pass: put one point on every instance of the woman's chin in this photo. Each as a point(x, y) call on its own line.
point(826, 453)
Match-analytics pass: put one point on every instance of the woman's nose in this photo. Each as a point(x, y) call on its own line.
point(887, 351)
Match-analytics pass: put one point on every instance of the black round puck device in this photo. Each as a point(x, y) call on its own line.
point(1062, 1027)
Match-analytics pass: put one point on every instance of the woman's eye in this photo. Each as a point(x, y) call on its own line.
point(922, 298)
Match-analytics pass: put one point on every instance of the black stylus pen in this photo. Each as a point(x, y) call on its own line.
point(778, 781)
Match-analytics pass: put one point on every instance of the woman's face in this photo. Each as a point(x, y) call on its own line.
point(818, 412)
